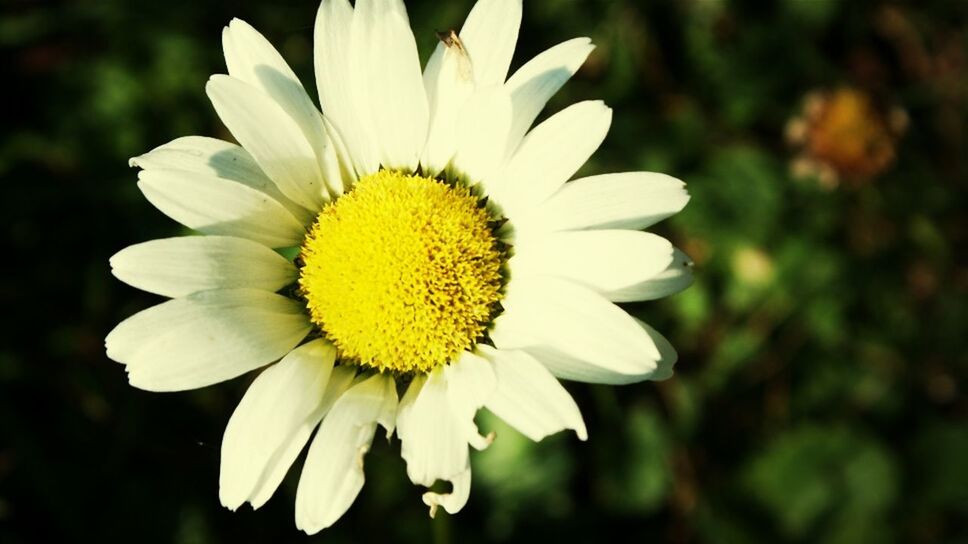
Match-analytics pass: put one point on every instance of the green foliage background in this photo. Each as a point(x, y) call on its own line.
point(819, 401)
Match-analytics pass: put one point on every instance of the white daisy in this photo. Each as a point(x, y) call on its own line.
point(442, 254)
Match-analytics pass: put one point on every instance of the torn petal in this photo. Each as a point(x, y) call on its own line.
point(456, 499)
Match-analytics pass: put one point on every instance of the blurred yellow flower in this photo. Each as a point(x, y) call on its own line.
point(842, 135)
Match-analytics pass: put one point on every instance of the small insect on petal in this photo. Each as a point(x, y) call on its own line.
point(456, 47)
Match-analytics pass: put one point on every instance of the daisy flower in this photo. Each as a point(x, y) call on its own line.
point(439, 260)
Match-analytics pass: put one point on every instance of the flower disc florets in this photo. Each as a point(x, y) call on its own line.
point(403, 272)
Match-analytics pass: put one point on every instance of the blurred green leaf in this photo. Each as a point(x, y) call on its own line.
point(641, 479)
point(825, 480)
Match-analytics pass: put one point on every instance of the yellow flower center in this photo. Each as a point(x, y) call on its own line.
point(402, 273)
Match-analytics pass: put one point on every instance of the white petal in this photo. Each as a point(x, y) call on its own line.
point(343, 158)
point(214, 205)
point(610, 262)
point(206, 338)
point(451, 76)
point(275, 141)
point(676, 277)
point(435, 422)
point(342, 91)
point(333, 474)
point(386, 56)
point(568, 328)
point(252, 59)
point(482, 133)
point(633, 200)
point(566, 367)
point(339, 381)
point(549, 155)
point(175, 267)
point(470, 382)
point(217, 158)
point(489, 35)
point(667, 354)
point(284, 400)
point(432, 440)
point(537, 81)
point(529, 398)
point(205, 155)
point(449, 82)
point(456, 499)
point(569, 368)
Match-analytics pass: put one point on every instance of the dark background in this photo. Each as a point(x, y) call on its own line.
point(820, 390)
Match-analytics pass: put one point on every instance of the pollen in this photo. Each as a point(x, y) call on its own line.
point(403, 272)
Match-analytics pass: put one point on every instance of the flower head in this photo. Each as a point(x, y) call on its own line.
point(842, 134)
point(440, 253)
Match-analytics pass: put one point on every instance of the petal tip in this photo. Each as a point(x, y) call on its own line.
point(228, 503)
point(433, 507)
point(215, 79)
